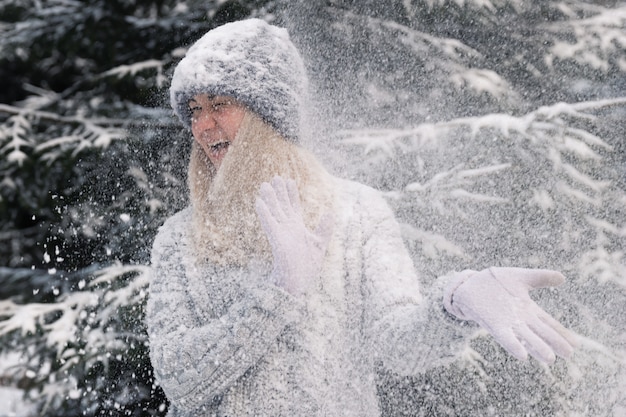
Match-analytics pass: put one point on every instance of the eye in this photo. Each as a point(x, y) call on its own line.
point(194, 112)
point(194, 109)
point(220, 105)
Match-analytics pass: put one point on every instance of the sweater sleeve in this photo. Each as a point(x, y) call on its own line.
point(410, 328)
point(196, 358)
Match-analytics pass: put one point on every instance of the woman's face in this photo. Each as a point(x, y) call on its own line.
point(215, 121)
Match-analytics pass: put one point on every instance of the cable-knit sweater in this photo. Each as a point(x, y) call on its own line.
point(228, 342)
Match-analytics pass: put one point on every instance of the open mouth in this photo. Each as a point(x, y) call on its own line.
point(219, 147)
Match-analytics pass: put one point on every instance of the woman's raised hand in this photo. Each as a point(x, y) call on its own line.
point(298, 251)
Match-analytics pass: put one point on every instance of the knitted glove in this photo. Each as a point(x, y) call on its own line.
point(298, 252)
point(497, 298)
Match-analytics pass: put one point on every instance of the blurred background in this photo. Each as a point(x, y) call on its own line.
point(495, 128)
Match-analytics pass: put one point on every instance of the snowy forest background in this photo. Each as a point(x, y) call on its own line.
point(496, 129)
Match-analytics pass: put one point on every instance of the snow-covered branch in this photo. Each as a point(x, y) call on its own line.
point(79, 327)
point(599, 41)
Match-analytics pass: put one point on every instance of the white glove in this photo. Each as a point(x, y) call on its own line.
point(497, 298)
point(298, 252)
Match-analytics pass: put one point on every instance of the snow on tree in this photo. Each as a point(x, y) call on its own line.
point(495, 129)
point(495, 147)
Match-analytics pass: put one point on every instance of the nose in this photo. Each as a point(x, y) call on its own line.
point(204, 121)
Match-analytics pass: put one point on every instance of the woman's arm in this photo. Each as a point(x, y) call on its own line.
point(410, 328)
point(194, 360)
point(420, 335)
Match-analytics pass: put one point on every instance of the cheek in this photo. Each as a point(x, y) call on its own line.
point(198, 138)
point(232, 122)
point(195, 129)
point(194, 132)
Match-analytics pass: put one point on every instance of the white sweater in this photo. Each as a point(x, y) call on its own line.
point(228, 342)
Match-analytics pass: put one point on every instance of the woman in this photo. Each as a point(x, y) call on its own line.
point(282, 288)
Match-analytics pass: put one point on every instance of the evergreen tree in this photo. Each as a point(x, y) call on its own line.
point(91, 164)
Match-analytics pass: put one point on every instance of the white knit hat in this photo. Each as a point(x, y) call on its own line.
point(253, 62)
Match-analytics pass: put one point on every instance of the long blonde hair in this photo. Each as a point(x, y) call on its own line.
point(225, 227)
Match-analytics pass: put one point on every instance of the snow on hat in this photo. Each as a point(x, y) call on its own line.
point(253, 62)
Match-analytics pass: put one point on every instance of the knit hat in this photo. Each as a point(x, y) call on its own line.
point(251, 61)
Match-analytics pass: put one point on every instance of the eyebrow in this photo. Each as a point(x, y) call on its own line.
point(209, 98)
